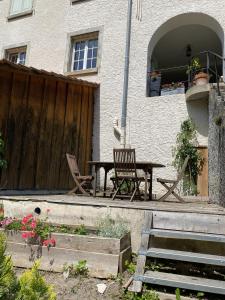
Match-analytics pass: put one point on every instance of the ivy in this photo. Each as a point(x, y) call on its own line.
point(185, 145)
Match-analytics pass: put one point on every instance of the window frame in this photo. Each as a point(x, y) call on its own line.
point(81, 34)
point(86, 40)
point(21, 13)
point(16, 50)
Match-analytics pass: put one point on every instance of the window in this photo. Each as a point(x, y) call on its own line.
point(16, 55)
point(20, 6)
point(84, 53)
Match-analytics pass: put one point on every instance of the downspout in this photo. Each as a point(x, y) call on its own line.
point(126, 77)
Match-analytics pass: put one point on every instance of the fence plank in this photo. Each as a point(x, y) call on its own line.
point(42, 119)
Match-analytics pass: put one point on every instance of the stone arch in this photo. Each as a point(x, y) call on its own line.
point(199, 20)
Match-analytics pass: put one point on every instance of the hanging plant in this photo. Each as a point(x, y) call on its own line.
point(185, 145)
point(3, 163)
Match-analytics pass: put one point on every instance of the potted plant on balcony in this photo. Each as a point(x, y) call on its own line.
point(200, 77)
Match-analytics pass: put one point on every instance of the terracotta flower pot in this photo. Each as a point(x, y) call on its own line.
point(201, 78)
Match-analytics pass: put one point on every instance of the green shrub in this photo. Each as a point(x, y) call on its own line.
point(107, 227)
point(32, 286)
point(8, 282)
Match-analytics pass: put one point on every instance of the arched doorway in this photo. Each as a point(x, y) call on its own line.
point(174, 44)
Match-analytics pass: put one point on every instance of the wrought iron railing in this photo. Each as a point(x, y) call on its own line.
point(211, 63)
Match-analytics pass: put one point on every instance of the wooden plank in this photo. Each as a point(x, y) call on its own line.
point(45, 135)
point(185, 256)
point(78, 116)
point(89, 130)
point(68, 138)
point(83, 130)
point(184, 282)
point(79, 242)
point(141, 260)
point(15, 127)
point(57, 137)
point(6, 82)
point(174, 234)
point(31, 134)
point(99, 264)
point(193, 222)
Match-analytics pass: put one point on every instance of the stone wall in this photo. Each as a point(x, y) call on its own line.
point(216, 149)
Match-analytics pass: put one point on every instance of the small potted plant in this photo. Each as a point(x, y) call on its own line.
point(200, 77)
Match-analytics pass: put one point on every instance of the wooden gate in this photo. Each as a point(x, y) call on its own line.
point(43, 116)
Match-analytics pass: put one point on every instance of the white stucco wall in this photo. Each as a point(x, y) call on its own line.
point(154, 122)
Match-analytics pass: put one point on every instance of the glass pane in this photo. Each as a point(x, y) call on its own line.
point(82, 45)
point(89, 64)
point(81, 65)
point(94, 61)
point(13, 57)
point(90, 53)
point(22, 58)
point(27, 4)
point(75, 66)
point(95, 51)
point(81, 54)
point(77, 46)
point(16, 6)
point(90, 44)
point(76, 56)
point(95, 43)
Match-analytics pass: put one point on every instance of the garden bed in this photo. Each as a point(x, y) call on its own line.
point(65, 246)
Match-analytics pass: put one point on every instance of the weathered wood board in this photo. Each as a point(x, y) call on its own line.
point(42, 118)
point(105, 256)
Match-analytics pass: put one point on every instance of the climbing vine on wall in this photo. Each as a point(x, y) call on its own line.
point(185, 145)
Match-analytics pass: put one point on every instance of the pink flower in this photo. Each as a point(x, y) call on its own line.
point(33, 224)
point(48, 210)
point(25, 235)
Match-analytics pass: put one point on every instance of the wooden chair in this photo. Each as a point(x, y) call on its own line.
point(171, 185)
point(80, 181)
point(125, 173)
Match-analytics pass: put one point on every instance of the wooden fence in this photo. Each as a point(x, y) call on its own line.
point(43, 116)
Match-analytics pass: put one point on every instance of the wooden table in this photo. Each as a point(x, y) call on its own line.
point(146, 166)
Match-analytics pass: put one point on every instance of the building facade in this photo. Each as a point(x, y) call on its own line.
point(87, 39)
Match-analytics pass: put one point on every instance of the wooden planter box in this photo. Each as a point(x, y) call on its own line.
point(105, 256)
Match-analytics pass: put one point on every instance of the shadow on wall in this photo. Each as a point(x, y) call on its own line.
point(198, 112)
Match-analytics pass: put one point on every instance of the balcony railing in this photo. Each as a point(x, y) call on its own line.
point(177, 80)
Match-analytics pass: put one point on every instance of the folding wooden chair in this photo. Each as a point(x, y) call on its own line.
point(171, 185)
point(80, 181)
point(126, 173)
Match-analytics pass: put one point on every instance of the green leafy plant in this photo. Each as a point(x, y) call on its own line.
point(194, 66)
point(200, 295)
point(185, 145)
point(81, 230)
point(177, 293)
point(108, 227)
point(32, 286)
point(77, 269)
point(147, 295)
point(8, 281)
point(3, 162)
point(131, 267)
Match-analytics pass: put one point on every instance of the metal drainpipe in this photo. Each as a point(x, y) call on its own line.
point(126, 77)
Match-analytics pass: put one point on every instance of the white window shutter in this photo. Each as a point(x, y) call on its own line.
point(16, 6)
point(27, 4)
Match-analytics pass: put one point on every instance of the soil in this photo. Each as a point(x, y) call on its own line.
point(82, 288)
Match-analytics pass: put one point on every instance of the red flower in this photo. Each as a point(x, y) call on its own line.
point(23, 228)
point(25, 235)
